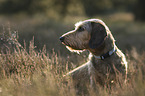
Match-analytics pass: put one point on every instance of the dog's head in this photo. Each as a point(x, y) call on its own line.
point(87, 34)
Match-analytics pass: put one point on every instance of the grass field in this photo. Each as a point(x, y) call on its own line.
point(31, 69)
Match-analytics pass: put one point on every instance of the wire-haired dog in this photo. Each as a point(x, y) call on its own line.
point(105, 59)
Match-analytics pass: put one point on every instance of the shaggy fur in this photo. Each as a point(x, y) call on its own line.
point(95, 36)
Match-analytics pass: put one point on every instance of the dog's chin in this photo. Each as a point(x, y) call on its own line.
point(63, 43)
point(72, 49)
point(75, 50)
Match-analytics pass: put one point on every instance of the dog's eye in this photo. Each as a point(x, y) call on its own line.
point(81, 29)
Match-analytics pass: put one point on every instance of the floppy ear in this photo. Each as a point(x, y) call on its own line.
point(98, 34)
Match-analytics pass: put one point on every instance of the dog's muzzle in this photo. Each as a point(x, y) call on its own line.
point(61, 39)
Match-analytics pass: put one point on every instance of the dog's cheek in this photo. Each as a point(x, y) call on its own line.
point(84, 39)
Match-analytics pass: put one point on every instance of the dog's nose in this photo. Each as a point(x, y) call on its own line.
point(61, 39)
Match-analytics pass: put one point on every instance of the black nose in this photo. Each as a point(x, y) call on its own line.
point(61, 39)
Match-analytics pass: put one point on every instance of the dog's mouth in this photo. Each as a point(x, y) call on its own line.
point(75, 50)
point(70, 47)
point(63, 43)
point(66, 44)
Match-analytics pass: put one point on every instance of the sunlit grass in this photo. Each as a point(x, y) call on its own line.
point(28, 68)
point(41, 74)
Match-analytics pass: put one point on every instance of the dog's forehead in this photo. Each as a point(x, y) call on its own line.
point(84, 24)
point(87, 23)
point(81, 23)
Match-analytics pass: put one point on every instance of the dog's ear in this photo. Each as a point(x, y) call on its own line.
point(98, 34)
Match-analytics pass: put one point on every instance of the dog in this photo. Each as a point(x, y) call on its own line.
point(105, 59)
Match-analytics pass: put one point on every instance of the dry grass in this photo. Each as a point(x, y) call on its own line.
point(40, 74)
point(28, 69)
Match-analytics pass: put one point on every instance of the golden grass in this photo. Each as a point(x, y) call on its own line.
point(35, 73)
point(25, 71)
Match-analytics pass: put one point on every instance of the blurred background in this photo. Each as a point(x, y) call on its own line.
point(39, 70)
point(47, 20)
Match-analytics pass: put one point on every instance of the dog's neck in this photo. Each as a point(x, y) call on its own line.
point(107, 46)
point(106, 55)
